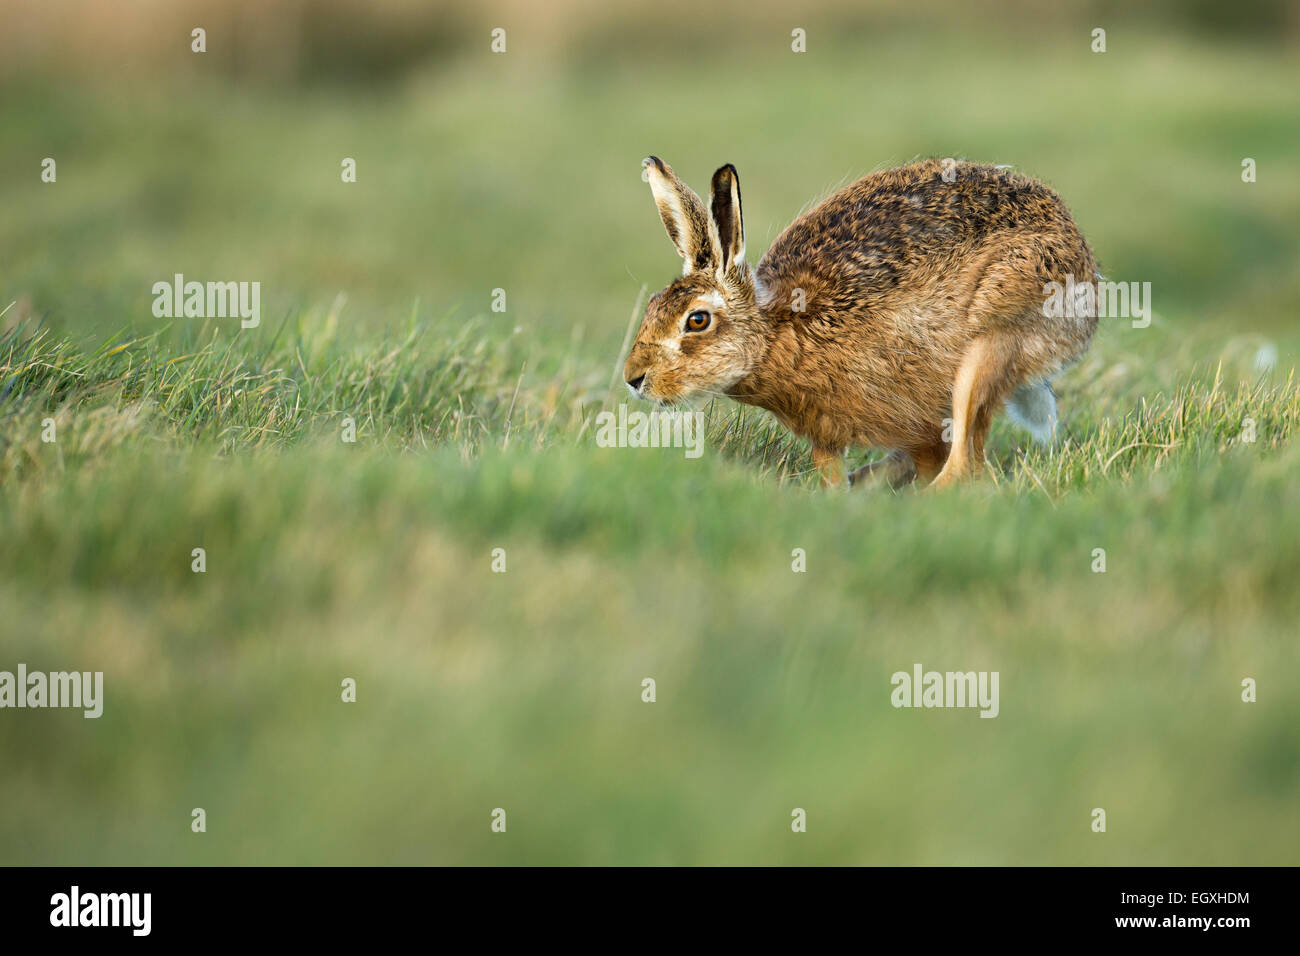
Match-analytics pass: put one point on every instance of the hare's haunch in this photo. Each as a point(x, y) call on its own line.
point(903, 311)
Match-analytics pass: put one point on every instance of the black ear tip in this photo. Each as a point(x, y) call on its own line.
point(654, 161)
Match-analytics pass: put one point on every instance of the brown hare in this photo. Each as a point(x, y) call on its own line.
point(902, 310)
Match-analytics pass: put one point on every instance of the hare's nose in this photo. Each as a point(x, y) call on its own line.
point(635, 383)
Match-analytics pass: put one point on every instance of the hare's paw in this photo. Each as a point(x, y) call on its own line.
point(893, 471)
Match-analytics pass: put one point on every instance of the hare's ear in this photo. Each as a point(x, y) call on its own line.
point(684, 216)
point(727, 217)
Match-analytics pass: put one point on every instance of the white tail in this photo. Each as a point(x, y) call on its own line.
point(1033, 408)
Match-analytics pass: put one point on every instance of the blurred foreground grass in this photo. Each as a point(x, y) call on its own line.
point(479, 690)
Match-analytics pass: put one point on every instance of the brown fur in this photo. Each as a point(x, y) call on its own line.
point(923, 300)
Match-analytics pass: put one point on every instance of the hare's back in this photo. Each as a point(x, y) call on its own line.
point(901, 225)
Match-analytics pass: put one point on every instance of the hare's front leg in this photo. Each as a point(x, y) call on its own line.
point(830, 465)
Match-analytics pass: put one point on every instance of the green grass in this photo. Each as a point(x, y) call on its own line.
point(522, 690)
point(475, 431)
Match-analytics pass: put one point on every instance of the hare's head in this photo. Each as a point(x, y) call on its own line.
point(703, 333)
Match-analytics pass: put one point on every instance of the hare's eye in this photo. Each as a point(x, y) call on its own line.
point(698, 321)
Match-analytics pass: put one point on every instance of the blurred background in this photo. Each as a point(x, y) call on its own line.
point(521, 171)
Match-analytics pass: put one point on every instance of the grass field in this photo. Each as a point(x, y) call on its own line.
point(522, 690)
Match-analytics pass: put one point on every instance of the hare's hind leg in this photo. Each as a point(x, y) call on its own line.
point(985, 377)
point(928, 460)
point(896, 469)
point(919, 460)
point(1016, 342)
